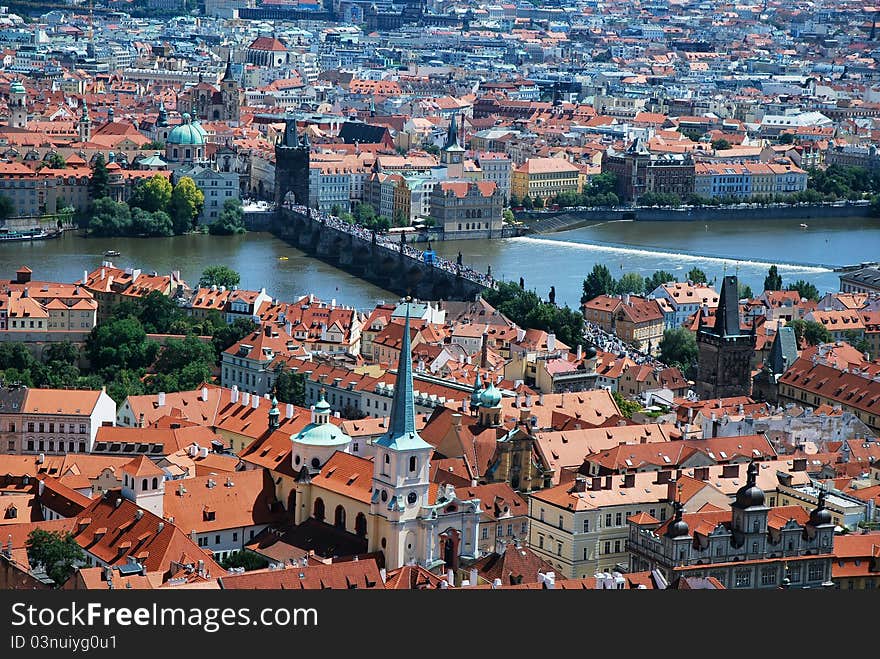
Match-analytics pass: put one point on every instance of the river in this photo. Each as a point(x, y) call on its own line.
point(561, 259)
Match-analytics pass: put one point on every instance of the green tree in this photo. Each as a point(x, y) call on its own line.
point(99, 180)
point(144, 223)
point(219, 275)
point(110, 218)
point(527, 203)
point(526, 309)
point(630, 283)
point(773, 280)
point(805, 289)
point(154, 145)
point(515, 201)
point(61, 352)
point(364, 213)
point(721, 144)
point(186, 203)
point(153, 194)
point(245, 558)
point(678, 347)
point(58, 552)
point(231, 220)
point(627, 407)
point(7, 208)
point(290, 387)
point(810, 331)
point(507, 216)
point(745, 292)
point(120, 344)
point(598, 282)
point(55, 161)
point(538, 202)
point(659, 278)
point(697, 276)
point(227, 335)
point(15, 355)
point(786, 138)
point(177, 354)
point(156, 312)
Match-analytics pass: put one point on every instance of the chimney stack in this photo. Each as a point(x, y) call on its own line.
point(580, 483)
point(629, 480)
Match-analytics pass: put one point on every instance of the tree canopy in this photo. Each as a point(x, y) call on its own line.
point(58, 552)
point(219, 275)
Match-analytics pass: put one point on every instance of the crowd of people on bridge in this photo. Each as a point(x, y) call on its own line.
point(397, 243)
point(608, 342)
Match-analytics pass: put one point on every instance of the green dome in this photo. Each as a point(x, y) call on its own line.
point(16, 87)
point(322, 434)
point(187, 133)
point(491, 397)
point(198, 126)
point(322, 406)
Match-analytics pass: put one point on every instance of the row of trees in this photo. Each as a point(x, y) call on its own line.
point(773, 282)
point(123, 358)
point(599, 192)
point(601, 282)
point(526, 309)
point(155, 207)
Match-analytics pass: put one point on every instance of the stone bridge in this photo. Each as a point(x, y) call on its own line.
point(382, 266)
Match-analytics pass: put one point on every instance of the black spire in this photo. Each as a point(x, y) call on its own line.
point(227, 75)
point(727, 314)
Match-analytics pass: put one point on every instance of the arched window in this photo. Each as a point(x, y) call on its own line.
point(155, 483)
point(318, 513)
point(339, 517)
point(413, 463)
point(360, 525)
point(175, 154)
point(144, 484)
point(387, 459)
point(186, 153)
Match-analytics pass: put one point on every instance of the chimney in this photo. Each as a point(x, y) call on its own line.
point(474, 576)
point(580, 352)
point(288, 411)
point(160, 399)
point(608, 482)
point(450, 577)
point(799, 464)
point(484, 351)
point(456, 420)
point(671, 490)
point(580, 483)
point(85, 276)
point(234, 395)
point(528, 400)
point(383, 574)
point(205, 394)
point(663, 477)
point(629, 480)
point(245, 398)
point(597, 483)
point(141, 420)
point(524, 414)
point(730, 471)
point(551, 342)
point(701, 473)
point(255, 401)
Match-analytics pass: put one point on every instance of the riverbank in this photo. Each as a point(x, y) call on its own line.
point(566, 219)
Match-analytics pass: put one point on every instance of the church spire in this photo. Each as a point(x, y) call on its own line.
point(452, 135)
point(227, 75)
point(727, 313)
point(402, 433)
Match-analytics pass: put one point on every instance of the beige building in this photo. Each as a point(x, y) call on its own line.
point(544, 178)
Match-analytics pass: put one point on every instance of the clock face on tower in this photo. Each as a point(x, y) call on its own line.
point(456, 158)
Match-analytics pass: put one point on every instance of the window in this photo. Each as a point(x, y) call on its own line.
point(560, 522)
point(82, 429)
point(794, 573)
point(485, 532)
point(662, 514)
point(203, 542)
point(524, 528)
point(498, 530)
point(413, 464)
point(607, 548)
point(618, 519)
point(586, 526)
point(542, 514)
point(754, 547)
point(42, 426)
point(235, 536)
point(617, 546)
point(768, 575)
point(816, 572)
point(608, 520)
point(540, 542)
point(559, 549)
point(742, 579)
point(216, 539)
